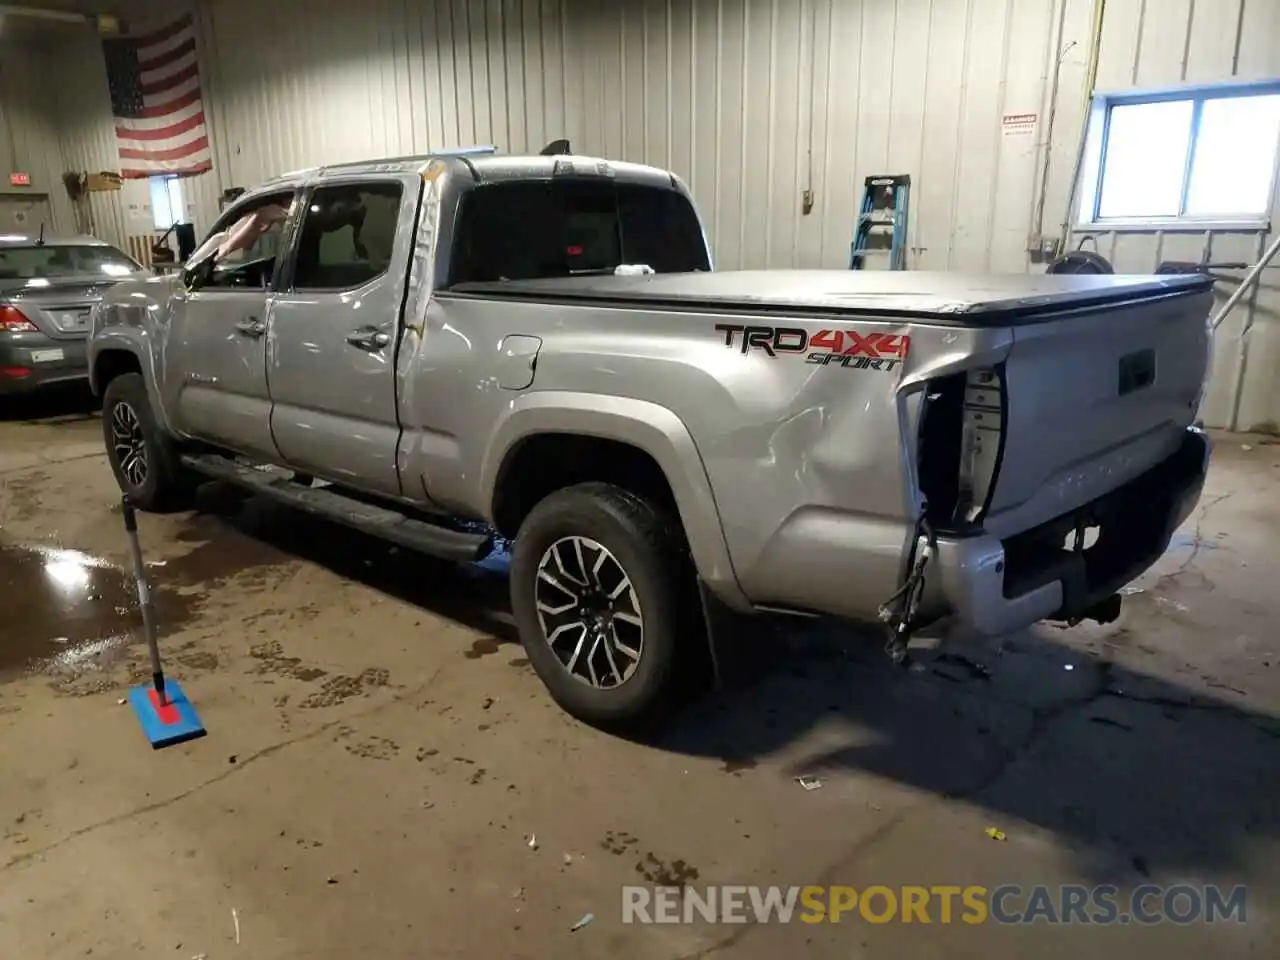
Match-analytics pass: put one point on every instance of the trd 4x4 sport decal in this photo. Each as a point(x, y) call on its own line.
point(842, 348)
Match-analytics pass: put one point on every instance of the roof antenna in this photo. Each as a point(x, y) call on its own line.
point(40, 241)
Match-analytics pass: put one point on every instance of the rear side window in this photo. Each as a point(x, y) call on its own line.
point(533, 229)
point(348, 233)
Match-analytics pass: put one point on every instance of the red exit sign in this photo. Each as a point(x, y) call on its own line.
point(19, 179)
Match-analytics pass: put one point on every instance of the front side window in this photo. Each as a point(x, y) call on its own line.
point(347, 236)
point(534, 229)
point(243, 249)
point(47, 262)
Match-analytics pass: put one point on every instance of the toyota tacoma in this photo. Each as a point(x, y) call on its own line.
point(452, 349)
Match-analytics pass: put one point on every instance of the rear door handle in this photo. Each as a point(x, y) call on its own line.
point(251, 327)
point(369, 339)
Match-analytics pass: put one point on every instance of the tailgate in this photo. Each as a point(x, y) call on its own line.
point(1096, 397)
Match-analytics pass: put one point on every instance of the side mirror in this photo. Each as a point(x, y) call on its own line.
point(198, 273)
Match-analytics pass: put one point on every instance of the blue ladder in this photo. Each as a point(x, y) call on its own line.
point(881, 229)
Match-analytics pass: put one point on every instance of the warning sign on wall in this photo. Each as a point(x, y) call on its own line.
point(1018, 124)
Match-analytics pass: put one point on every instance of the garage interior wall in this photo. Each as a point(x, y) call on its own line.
point(753, 102)
point(29, 131)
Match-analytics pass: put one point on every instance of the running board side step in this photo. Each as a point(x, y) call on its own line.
point(381, 522)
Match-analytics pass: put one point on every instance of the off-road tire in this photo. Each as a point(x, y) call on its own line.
point(649, 547)
point(165, 485)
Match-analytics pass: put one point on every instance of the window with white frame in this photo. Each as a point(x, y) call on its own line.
point(1184, 157)
point(167, 206)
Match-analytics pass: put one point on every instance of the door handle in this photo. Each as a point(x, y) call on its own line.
point(368, 339)
point(251, 327)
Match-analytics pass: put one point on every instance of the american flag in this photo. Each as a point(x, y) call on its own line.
point(155, 99)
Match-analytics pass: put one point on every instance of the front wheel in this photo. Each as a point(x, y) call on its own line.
point(599, 584)
point(142, 457)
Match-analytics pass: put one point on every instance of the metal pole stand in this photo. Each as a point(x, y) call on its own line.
point(144, 598)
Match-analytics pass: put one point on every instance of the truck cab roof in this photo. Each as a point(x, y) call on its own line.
point(483, 164)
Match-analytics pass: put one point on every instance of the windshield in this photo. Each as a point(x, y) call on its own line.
point(54, 261)
point(531, 229)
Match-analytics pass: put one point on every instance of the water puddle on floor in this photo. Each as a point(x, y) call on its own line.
point(66, 613)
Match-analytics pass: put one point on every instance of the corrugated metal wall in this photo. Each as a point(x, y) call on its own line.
point(88, 133)
point(1150, 44)
point(753, 102)
point(29, 130)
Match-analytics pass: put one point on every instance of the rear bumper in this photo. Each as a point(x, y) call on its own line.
point(1000, 585)
point(24, 366)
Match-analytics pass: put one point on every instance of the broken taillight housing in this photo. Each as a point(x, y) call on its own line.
point(13, 320)
point(981, 433)
point(961, 435)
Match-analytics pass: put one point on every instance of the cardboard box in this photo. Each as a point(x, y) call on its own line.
point(102, 182)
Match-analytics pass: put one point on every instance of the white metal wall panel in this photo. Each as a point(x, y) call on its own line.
point(1148, 43)
point(88, 133)
point(1072, 109)
point(1029, 58)
point(935, 192)
point(29, 132)
point(752, 102)
point(980, 109)
point(1257, 46)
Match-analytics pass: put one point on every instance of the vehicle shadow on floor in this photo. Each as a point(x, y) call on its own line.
point(474, 596)
point(69, 403)
point(1136, 773)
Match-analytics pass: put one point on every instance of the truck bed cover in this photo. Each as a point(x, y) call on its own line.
point(950, 298)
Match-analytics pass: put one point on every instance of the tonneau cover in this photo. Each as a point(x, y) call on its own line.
point(957, 298)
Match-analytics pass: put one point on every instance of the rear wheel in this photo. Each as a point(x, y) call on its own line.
point(599, 584)
point(143, 458)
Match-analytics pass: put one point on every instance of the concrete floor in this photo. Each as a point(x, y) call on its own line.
point(379, 751)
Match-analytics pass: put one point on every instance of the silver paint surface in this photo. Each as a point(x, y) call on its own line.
point(796, 482)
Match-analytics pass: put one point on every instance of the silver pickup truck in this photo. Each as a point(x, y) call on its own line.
point(446, 350)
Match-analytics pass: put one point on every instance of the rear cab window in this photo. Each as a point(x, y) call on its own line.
point(537, 229)
point(55, 261)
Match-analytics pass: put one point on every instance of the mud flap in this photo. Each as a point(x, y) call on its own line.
point(740, 647)
point(714, 616)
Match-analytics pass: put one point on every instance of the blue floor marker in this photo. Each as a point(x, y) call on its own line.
point(165, 724)
point(166, 715)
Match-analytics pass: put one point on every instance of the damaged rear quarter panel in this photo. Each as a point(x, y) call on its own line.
point(812, 455)
point(802, 443)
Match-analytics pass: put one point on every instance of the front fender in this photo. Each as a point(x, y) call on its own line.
point(648, 427)
point(130, 320)
point(108, 341)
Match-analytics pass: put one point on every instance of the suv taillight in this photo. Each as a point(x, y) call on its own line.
point(13, 320)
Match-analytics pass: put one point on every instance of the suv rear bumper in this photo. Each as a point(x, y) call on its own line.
point(1000, 585)
point(26, 366)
